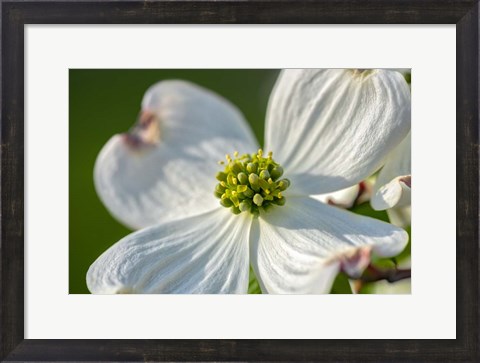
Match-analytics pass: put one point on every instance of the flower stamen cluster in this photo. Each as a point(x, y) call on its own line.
point(251, 183)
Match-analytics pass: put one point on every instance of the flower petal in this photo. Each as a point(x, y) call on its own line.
point(393, 185)
point(403, 71)
point(165, 167)
point(337, 124)
point(395, 193)
point(400, 216)
point(343, 198)
point(300, 247)
point(354, 263)
point(204, 254)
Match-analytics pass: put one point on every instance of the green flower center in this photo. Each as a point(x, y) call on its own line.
point(251, 183)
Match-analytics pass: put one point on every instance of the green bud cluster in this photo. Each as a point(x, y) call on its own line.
point(251, 183)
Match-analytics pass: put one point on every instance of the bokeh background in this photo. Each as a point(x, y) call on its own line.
point(106, 102)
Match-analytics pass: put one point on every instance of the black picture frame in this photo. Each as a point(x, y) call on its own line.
point(15, 14)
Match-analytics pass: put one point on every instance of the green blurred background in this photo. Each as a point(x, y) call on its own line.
point(106, 102)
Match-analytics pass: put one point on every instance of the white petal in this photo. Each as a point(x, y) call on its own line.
point(393, 185)
point(204, 254)
point(403, 71)
point(395, 193)
point(143, 181)
point(332, 128)
point(400, 216)
point(299, 248)
point(343, 198)
point(354, 263)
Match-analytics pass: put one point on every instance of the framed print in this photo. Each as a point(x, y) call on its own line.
point(82, 209)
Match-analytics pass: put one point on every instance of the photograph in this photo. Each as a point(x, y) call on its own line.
point(240, 181)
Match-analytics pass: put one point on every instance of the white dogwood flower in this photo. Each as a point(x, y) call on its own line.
point(328, 130)
point(392, 190)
